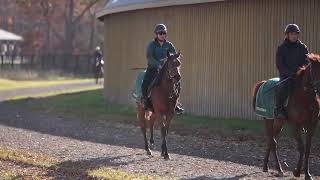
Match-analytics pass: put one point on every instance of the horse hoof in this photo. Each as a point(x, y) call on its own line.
point(265, 169)
point(162, 154)
point(280, 174)
point(166, 157)
point(296, 173)
point(308, 177)
point(149, 153)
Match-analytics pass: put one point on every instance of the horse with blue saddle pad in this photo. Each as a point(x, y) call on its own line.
point(303, 107)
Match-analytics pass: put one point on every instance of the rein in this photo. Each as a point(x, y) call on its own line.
point(175, 88)
point(314, 86)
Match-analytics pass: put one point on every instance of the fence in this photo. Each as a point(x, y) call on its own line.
point(76, 64)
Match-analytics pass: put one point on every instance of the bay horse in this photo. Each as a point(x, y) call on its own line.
point(164, 99)
point(303, 114)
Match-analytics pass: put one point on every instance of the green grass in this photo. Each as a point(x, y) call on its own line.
point(32, 75)
point(7, 174)
point(70, 170)
point(108, 173)
point(84, 104)
point(91, 105)
point(6, 84)
point(43, 95)
point(26, 158)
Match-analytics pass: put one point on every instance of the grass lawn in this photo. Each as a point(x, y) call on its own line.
point(91, 105)
point(6, 84)
point(17, 164)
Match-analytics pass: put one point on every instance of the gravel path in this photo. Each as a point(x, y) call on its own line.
point(120, 147)
point(7, 94)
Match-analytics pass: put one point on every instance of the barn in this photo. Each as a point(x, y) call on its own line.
point(227, 46)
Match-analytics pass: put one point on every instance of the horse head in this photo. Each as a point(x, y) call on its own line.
point(173, 66)
point(312, 74)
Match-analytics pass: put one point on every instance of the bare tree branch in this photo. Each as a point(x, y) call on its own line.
point(78, 18)
point(58, 35)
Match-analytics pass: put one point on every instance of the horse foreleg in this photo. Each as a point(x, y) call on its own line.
point(146, 145)
point(164, 142)
point(164, 150)
point(164, 131)
point(101, 77)
point(152, 121)
point(297, 136)
point(310, 133)
point(143, 126)
point(276, 130)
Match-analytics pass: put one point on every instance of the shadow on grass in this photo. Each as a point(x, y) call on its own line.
point(92, 112)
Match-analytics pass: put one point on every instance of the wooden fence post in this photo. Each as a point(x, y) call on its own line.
point(21, 61)
point(12, 61)
point(53, 61)
point(2, 59)
point(32, 61)
point(76, 67)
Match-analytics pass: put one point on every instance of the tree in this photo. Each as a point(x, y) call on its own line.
point(49, 13)
point(72, 21)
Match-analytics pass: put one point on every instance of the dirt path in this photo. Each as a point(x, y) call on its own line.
point(7, 94)
point(120, 147)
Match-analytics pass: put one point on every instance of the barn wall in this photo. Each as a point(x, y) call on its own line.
point(227, 47)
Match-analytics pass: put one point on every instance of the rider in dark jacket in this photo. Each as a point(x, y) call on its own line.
point(156, 53)
point(291, 56)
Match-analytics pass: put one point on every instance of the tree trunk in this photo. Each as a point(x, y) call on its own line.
point(92, 31)
point(69, 32)
point(46, 45)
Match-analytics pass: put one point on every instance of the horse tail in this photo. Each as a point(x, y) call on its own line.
point(255, 91)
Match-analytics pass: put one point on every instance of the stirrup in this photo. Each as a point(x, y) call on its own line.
point(178, 110)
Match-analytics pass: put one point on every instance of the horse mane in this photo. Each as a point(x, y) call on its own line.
point(162, 70)
point(312, 58)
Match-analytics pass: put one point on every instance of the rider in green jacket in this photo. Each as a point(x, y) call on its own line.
point(156, 53)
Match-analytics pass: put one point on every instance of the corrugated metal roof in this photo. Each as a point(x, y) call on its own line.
point(116, 6)
point(8, 36)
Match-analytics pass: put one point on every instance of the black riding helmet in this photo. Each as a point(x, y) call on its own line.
point(292, 28)
point(160, 28)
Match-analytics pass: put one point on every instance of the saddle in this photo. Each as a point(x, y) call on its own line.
point(266, 97)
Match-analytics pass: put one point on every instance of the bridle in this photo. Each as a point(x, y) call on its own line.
point(170, 70)
point(172, 73)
